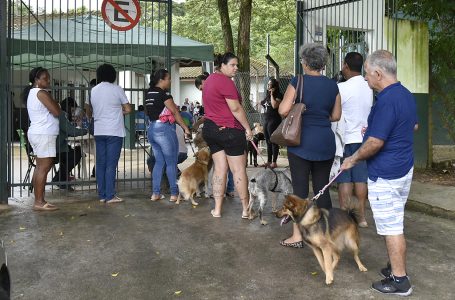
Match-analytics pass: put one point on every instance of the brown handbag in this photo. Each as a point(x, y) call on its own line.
point(288, 132)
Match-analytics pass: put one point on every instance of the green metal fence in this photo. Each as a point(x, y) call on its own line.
point(71, 40)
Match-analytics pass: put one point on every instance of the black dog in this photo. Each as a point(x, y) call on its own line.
point(5, 282)
point(252, 153)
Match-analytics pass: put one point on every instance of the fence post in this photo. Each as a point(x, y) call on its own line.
point(299, 36)
point(4, 190)
point(130, 125)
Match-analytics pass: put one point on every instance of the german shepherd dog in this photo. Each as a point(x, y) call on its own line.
point(327, 232)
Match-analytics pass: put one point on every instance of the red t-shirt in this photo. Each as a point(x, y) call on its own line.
point(218, 88)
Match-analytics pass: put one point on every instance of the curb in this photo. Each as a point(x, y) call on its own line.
point(430, 210)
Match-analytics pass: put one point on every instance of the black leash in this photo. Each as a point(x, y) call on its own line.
point(191, 144)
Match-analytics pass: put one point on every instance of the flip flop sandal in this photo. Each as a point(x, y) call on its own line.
point(213, 214)
point(154, 198)
point(46, 207)
point(292, 245)
point(245, 216)
point(172, 198)
point(114, 200)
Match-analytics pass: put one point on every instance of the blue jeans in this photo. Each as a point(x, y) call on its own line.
point(165, 148)
point(230, 182)
point(108, 150)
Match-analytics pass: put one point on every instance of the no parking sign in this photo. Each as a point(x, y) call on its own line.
point(121, 15)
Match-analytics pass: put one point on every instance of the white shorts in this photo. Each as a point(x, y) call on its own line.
point(387, 200)
point(43, 145)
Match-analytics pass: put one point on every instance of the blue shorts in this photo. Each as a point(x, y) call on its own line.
point(359, 173)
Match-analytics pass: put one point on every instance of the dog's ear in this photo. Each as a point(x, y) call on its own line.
point(294, 201)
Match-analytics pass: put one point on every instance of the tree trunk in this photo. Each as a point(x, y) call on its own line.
point(243, 48)
point(226, 25)
point(243, 53)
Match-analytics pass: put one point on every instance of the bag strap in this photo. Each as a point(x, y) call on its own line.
point(299, 88)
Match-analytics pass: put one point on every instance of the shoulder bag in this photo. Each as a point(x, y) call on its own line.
point(288, 132)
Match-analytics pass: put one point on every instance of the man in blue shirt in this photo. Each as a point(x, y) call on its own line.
point(387, 148)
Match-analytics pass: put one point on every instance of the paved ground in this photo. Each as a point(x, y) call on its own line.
point(144, 250)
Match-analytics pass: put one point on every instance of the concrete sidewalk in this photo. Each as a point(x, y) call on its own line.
point(158, 250)
point(433, 199)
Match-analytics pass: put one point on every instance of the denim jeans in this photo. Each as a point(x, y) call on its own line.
point(165, 148)
point(230, 182)
point(108, 150)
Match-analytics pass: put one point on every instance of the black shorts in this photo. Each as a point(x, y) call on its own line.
point(231, 140)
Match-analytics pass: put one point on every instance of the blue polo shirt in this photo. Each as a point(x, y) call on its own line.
point(392, 119)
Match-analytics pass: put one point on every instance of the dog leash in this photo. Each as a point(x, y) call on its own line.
point(325, 187)
point(191, 144)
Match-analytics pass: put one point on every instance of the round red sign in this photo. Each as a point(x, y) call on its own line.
point(121, 15)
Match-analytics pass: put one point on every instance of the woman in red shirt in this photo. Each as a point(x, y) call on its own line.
point(226, 131)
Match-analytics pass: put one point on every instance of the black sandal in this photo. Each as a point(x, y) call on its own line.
point(298, 244)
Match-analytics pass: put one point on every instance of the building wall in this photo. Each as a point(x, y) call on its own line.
point(134, 85)
point(413, 71)
point(188, 90)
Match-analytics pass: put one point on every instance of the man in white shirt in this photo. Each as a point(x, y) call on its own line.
point(356, 102)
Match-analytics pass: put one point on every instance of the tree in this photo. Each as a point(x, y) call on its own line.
point(201, 21)
point(214, 21)
point(226, 27)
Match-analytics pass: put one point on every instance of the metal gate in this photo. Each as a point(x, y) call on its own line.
point(343, 26)
point(71, 39)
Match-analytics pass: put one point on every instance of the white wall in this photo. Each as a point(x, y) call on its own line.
point(188, 90)
point(175, 83)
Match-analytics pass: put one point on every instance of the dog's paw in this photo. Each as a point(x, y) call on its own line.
point(328, 281)
point(264, 222)
point(363, 269)
point(194, 203)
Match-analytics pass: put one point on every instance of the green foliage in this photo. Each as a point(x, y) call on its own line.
point(20, 9)
point(201, 22)
point(440, 15)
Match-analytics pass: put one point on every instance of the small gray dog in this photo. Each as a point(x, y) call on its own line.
point(275, 181)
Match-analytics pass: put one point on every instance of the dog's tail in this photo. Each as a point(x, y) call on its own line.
point(352, 208)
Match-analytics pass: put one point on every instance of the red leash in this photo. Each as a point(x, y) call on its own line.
point(258, 152)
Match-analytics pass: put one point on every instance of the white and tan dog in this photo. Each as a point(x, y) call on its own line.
point(194, 176)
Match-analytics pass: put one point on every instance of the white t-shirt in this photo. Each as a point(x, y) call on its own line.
point(41, 120)
point(181, 138)
point(356, 102)
point(107, 99)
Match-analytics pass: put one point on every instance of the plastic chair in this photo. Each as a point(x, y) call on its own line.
point(31, 158)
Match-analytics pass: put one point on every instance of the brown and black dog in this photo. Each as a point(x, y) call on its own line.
point(327, 232)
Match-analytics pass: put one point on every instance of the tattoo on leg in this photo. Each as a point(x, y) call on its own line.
point(217, 186)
